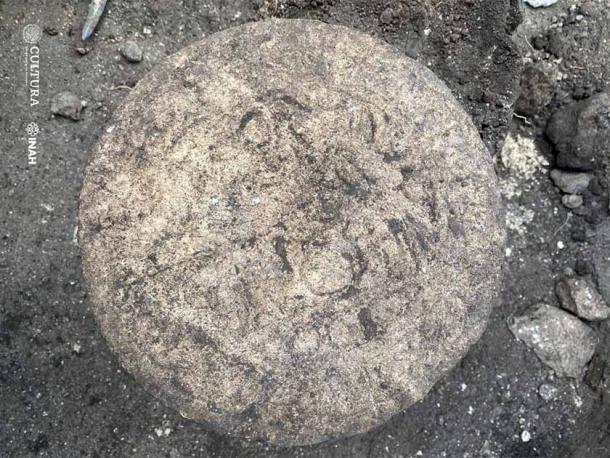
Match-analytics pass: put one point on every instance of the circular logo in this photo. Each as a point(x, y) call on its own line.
point(32, 129)
point(32, 33)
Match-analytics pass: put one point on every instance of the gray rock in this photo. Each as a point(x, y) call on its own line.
point(387, 16)
point(540, 3)
point(559, 339)
point(579, 295)
point(131, 51)
point(580, 133)
point(571, 201)
point(569, 182)
point(296, 237)
point(67, 105)
point(547, 391)
point(597, 371)
point(601, 259)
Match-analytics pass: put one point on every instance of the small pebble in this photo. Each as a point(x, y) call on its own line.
point(131, 51)
point(440, 420)
point(50, 30)
point(568, 271)
point(82, 50)
point(67, 105)
point(387, 16)
point(540, 3)
point(580, 296)
point(571, 201)
point(526, 436)
point(547, 391)
point(559, 339)
point(570, 183)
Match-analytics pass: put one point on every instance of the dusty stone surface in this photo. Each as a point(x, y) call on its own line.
point(559, 339)
point(290, 237)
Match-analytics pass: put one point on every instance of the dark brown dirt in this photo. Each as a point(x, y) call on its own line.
point(62, 392)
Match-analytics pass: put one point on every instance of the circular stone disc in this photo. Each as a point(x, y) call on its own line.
point(290, 232)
